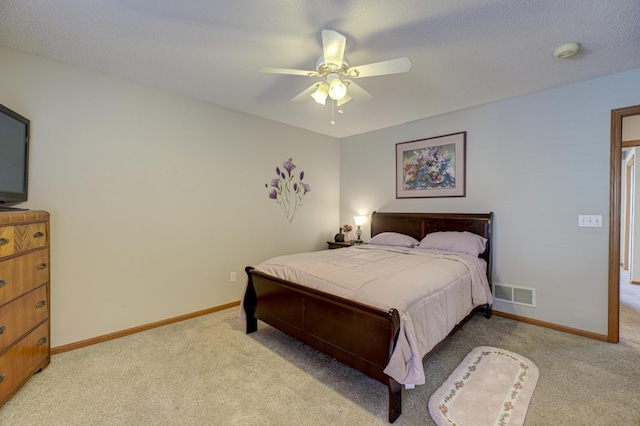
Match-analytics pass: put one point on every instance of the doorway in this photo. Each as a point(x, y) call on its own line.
point(615, 213)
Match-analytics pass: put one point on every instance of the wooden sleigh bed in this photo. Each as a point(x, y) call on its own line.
point(354, 333)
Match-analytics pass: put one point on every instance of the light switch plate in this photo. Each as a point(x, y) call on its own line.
point(590, 220)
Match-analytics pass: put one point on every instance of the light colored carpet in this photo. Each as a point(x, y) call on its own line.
point(206, 371)
point(490, 386)
point(630, 313)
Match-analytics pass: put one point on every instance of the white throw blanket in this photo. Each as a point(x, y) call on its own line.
point(432, 291)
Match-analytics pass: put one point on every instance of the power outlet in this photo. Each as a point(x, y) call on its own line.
point(232, 277)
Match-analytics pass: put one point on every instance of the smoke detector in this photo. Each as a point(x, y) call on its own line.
point(566, 50)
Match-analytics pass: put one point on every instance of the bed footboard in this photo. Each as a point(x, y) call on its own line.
point(355, 334)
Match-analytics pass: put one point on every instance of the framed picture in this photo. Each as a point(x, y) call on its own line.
point(433, 167)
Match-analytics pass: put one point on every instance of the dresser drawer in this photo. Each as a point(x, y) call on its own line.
point(7, 240)
point(24, 359)
point(21, 315)
point(18, 275)
point(19, 238)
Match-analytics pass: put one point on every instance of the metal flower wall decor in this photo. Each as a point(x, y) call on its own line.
point(287, 189)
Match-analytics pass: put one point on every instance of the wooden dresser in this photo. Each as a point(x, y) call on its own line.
point(24, 298)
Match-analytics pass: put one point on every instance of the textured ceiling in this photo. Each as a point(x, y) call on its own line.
point(464, 52)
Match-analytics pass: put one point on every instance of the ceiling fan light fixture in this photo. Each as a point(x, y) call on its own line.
point(337, 89)
point(343, 101)
point(320, 95)
point(335, 73)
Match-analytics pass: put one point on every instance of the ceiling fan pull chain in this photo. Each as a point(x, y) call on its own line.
point(333, 122)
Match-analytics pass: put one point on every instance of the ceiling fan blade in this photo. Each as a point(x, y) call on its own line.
point(392, 66)
point(333, 44)
point(306, 93)
point(357, 92)
point(288, 71)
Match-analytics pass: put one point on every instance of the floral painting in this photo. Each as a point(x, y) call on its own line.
point(433, 167)
point(288, 188)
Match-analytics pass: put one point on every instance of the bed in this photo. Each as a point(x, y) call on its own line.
point(361, 332)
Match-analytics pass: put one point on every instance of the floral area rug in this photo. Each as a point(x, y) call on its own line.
point(491, 386)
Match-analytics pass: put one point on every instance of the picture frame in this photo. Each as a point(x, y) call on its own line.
point(432, 167)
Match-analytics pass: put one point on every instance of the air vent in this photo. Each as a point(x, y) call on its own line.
point(514, 294)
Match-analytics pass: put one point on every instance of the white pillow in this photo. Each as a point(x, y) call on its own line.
point(461, 242)
point(394, 239)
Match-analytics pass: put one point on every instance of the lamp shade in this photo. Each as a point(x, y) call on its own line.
point(337, 89)
point(320, 95)
point(359, 220)
point(344, 100)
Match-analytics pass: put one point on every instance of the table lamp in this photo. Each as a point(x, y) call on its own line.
point(359, 221)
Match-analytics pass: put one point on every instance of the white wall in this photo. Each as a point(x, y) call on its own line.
point(631, 132)
point(537, 162)
point(626, 163)
point(634, 270)
point(155, 198)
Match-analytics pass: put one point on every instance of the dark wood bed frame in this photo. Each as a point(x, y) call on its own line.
point(355, 334)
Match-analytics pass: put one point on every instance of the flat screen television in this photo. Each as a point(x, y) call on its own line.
point(14, 157)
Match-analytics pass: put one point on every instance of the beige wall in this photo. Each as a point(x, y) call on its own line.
point(631, 128)
point(155, 198)
point(537, 162)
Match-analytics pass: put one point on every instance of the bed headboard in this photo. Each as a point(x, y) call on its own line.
point(418, 225)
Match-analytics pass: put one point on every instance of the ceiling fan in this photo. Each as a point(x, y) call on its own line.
point(336, 74)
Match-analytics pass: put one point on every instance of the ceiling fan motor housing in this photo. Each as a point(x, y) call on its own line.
point(324, 69)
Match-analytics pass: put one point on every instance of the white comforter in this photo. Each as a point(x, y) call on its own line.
point(432, 291)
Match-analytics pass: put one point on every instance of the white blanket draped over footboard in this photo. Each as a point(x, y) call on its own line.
point(432, 291)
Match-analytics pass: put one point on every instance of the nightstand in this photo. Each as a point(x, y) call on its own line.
point(336, 245)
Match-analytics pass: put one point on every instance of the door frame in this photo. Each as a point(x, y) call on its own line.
point(615, 183)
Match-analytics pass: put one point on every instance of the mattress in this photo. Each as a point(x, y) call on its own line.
point(431, 290)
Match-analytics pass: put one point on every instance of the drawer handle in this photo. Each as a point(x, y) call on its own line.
point(41, 304)
point(3, 283)
point(41, 266)
point(2, 377)
point(38, 235)
point(42, 341)
point(3, 241)
point(2, 329)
